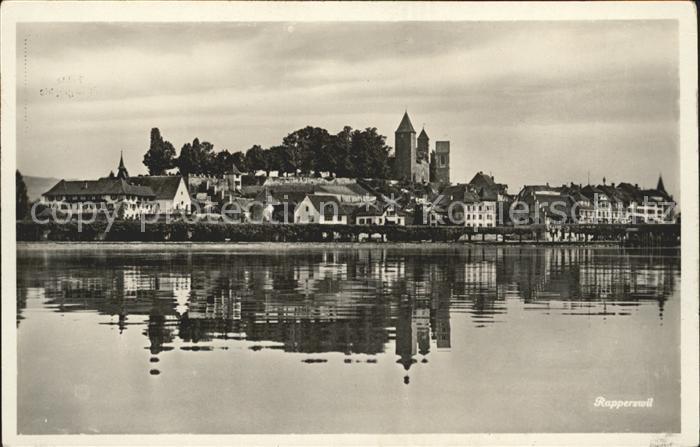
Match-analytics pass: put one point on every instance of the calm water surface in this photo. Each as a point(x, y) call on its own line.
point(318, 340)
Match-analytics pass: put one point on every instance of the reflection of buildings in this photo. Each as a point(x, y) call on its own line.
point(353, 302)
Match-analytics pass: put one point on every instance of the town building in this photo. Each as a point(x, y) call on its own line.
point(115, 193)
point(378, 214)
point(630, 204)
point(541, 204)
point(105, 194)
point(134, 196)
point(322, 209)
point(171, 194)
point(465, 205)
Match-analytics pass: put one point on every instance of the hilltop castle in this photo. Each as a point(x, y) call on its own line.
point(413, 157)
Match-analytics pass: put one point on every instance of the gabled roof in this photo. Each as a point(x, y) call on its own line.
point(103, 186)
point(163, 186)
point(423, 135)
point(481, 179)
point(405, 125)
point(326, 204)
point(458, 193)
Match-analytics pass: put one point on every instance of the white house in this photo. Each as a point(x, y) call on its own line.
point(171, 192)
point(105, 194)
point(321, 209)
point(376, 214)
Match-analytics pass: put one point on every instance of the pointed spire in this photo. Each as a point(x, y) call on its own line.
point(660, 185)
point(423, 134)
point(122, 173)
point(406, 125)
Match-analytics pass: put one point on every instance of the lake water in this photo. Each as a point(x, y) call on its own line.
point(363, 339)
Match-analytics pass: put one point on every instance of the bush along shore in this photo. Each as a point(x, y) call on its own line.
point(134, 231)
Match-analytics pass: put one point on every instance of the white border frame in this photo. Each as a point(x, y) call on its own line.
point(41, 11)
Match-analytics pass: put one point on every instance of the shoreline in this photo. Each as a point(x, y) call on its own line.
point(240, 246)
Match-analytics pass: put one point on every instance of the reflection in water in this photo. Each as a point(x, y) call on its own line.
point(291, 339)
point(345, 301)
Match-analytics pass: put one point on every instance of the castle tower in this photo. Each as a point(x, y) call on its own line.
point(441, 160)
point(423, 150)
point(405, 146)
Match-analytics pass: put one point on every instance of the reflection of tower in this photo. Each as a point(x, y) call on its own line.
point(442, 327)
point(158, 334)
point(405, 337)
point(421, 320)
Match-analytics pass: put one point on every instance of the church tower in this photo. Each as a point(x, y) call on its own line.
point(122, 173)
point(405, 145)
point(660, 185)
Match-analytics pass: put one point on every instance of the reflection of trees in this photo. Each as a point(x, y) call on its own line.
point(354, 301)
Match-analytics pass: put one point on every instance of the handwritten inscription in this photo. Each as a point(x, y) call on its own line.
point(68, 87)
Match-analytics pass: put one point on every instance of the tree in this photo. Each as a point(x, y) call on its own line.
point(221, 163)
point(256, 159)
point(336, 157)
point(369, 154)
point(186, 162)
point(206, 157)
point(160, 156)
point(22, 202)
point(196, 158)
point(280, 158)
point(238, 159)
point(305, 147)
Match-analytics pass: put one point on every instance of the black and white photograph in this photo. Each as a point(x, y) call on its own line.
point(395, 223)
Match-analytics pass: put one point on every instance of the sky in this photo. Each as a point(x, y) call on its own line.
point(528, 102)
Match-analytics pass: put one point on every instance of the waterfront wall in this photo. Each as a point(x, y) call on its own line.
point(223, 232)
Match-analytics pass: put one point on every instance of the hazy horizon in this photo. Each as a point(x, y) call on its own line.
point(529, 102)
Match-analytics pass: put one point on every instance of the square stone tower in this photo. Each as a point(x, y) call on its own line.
point(442, 162)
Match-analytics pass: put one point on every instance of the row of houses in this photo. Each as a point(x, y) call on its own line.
point(480, 203)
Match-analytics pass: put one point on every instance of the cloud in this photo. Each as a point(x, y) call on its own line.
point(98, 88)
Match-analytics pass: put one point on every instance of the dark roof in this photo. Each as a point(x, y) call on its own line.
point(458, 193)
point(423, 135)
point(103, 186)
point(406, 125)
point(163, 186)
point(369, 210)
point(486, 186)
point(481, 179)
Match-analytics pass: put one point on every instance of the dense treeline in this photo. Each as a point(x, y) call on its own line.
point(349, 153)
